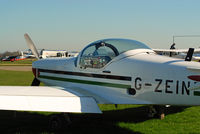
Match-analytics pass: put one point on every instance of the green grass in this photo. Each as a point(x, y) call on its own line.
point(15, 78)
point(125, 119)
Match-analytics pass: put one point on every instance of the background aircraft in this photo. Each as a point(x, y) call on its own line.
point(50, 53)
point(13, 58)
point(178, 53)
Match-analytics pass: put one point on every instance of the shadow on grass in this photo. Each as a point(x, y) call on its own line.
point(26, 122)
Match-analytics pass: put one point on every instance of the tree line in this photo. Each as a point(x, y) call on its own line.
point(7, 53)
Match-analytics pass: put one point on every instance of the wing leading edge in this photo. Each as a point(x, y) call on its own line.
point(49, 99)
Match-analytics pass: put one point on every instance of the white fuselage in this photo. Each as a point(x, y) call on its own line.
point(156, 79)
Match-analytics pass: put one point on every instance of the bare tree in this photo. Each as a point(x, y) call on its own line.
point(7, 53)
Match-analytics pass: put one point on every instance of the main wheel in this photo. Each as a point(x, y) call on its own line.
point(55, 123)
point(58, 122)
point(156, 111)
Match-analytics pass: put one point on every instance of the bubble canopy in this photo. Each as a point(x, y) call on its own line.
point(119, 45)
point(100, 53)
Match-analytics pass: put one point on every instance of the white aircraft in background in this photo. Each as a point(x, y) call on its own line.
point(50, 54)
point(108, 71)
point(178, 53)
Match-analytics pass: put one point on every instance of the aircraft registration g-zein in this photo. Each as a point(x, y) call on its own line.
point(108, 71)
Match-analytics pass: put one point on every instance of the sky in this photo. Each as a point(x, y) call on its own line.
point(73, 24)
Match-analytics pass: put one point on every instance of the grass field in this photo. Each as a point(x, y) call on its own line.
point(126, 119)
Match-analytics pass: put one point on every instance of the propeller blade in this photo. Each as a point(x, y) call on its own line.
point(35, 82)
point(31, 45)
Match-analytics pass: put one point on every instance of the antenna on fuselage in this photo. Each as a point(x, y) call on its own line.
point(189, 54)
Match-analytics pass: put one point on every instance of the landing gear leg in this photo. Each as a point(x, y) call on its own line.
point(156, 111)
point(59, 121)
point(151, 112)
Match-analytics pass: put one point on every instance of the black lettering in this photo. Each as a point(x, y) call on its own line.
point(177, 86)
point(159, 83)
point(185, 88)
point(167, 86)
point(138, 86)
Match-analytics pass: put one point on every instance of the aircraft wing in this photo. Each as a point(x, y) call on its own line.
point(51, 99)
point(175, 50)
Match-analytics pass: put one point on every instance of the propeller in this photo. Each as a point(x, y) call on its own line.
point(31, 45)
point(172, 47)
point(35, 82)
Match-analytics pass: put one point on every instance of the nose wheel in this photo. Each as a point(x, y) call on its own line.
point(156, 111)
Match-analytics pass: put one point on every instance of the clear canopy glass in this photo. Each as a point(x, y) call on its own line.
point(99, 53)
point(122, 45)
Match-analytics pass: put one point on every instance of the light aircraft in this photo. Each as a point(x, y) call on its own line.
point(57, 53)
point(178, 53)
point(50, 53)
point(108, 71)
point(14, 58)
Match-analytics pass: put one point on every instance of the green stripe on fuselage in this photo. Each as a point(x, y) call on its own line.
point(196, 93)
point(86, 82)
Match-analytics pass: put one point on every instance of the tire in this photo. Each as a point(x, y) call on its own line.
point(59, 122)
point(55, 123)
